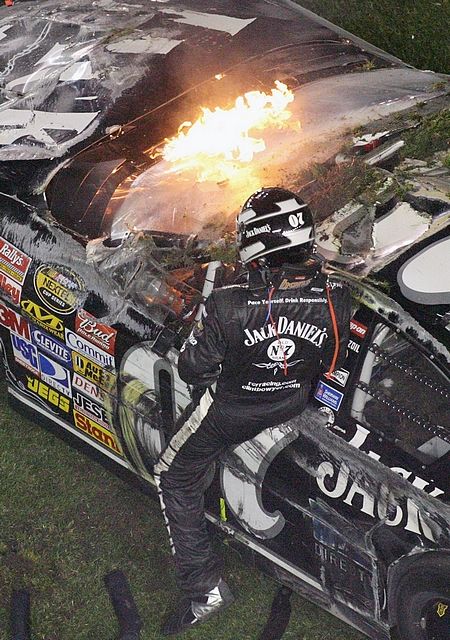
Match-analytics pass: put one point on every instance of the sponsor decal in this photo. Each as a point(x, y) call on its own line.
point(58, 288)
point(257, 230)
point(11, 288)
point(43, 318)
point(55, 375)
point(25, 353)
point(340, 376)
point(93, 371)
point(358, 329)
point(99, 334)
point(309, 332)
point(13, 262)
point(77, 343)
point(90, 408)
point(14, 322)
point(354, 346)
point(441, 609)
point(278, 351)
point(52, 396)
point(96, 431)
point(51, 346)
point(329, 396)
point(86, 387)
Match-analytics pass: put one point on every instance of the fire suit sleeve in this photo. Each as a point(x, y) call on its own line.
point(342, 307)
point(204, 350)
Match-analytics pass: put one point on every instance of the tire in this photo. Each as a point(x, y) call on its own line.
point(423, 601)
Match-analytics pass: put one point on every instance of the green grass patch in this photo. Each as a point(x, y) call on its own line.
point(66, 522)
point(416, 32)
point(432, 135)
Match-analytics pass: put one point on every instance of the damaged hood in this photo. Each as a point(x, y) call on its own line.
point(69, 72)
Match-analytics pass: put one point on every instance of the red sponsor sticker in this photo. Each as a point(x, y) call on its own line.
point(11, 288)
point(358, 329)
point(13, 262)
point(99, 334)
point(14, 322)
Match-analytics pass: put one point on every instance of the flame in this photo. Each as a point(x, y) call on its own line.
point(219, 143)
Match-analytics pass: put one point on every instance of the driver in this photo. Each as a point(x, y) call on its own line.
point(262, 343)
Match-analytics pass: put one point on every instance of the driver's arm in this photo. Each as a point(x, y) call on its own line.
point(204, 350)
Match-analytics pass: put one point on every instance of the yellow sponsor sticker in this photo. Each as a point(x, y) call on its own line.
point(92, 371)
point(96, 431)
point(43, 318)
point(441, 609)
point(59, 289)
point(47, 393)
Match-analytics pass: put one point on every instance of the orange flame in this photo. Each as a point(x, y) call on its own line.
point(219, 142)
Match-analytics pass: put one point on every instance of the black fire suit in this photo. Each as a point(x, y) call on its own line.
point(263, 346)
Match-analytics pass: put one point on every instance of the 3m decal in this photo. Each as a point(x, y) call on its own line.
point(354, 346)
point(58, 288)
point(13, 262)
point(329, 396)
point(358, 329)
point(12, 290)
point(51, 346)
point(11, 320)
point(96, 431)
point(99, 334)
point(90, 408)
point(77, 343)
point(340, 376)
point(25, 353)
point(47, 393)
point(43, 318)
point(55, 375)
point(86, 387)
point(92, 371)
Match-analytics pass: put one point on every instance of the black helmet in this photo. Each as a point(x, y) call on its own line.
point(277, 225)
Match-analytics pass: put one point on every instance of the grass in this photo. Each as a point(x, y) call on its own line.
point(416, 32)
point(66, 522)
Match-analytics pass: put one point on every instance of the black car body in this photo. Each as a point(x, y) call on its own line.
point(348, 504)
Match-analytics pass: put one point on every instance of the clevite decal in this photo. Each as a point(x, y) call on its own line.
point(13, 262)
point(99, 334)
point(58, 288)
point(51, 346)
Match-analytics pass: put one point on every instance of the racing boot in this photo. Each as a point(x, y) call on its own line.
point(192, 611)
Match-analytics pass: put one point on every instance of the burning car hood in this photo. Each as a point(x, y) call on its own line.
point(69, 73)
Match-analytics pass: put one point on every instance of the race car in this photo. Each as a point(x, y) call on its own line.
point(115, 227)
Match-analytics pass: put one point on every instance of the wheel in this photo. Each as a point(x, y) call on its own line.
point(423, 601)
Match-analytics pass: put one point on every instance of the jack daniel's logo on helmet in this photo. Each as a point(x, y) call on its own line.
point(284, 326)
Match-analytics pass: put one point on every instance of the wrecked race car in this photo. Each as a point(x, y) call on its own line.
point(118, 194)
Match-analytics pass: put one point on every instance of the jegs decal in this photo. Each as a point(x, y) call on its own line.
point(42, 390)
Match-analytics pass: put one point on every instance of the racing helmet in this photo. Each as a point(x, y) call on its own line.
point(275, 227)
